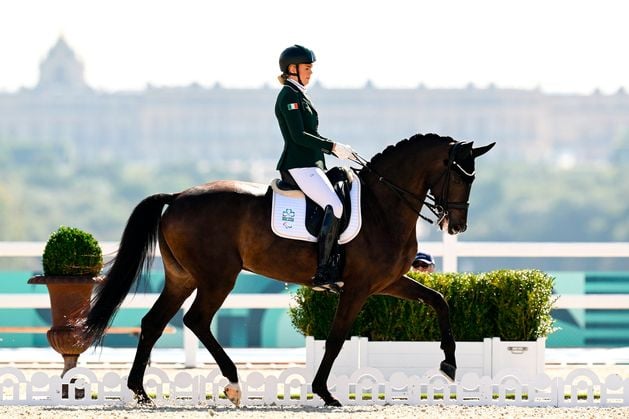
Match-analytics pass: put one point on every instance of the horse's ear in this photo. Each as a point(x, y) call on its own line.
point(482, 150)
point(464, 149)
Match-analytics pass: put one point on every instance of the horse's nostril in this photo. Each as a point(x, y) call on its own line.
point(456, 229)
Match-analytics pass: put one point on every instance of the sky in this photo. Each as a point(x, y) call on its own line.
point(558, 46)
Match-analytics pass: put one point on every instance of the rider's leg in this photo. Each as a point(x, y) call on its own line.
point(313, 182)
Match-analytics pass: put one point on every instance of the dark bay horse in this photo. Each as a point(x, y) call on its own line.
point(209, 233)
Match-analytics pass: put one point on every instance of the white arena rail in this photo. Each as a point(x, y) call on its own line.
point(450, 249)
point(190, 341)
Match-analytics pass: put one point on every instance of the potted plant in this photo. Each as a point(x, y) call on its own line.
point(500, 320)
point(72, 261)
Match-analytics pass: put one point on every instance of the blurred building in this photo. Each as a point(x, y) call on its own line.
point(167, 124)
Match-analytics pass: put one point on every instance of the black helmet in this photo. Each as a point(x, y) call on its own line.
point(296, 55)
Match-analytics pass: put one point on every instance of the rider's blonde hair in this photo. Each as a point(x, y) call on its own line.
point(282, 78)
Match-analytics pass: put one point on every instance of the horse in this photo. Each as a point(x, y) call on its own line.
point(209, 233)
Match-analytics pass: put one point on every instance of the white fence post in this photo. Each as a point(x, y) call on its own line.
point(190, 346)
point(450, 257)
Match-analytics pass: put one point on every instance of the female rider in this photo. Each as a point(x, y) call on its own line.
point(302, 159)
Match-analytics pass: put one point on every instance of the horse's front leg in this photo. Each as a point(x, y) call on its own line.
point(348, 308)
point(408, 289)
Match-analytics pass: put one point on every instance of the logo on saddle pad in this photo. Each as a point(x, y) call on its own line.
point(288, 215)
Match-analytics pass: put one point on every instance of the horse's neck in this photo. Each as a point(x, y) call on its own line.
point(398, 210)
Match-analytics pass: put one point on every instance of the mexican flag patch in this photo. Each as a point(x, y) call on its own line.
point(293, 106)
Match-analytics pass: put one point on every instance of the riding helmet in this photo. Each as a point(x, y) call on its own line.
point(296, 54)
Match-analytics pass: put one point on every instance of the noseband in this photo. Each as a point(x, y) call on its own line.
point(439, 206)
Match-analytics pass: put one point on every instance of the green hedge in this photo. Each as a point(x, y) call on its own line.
point(71, 251)
point(512, 305)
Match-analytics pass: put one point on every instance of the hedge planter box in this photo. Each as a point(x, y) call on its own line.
point(486, 358)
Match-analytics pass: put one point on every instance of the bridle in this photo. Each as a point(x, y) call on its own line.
point(439, 206)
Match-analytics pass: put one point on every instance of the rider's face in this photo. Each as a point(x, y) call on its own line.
point(304, 71)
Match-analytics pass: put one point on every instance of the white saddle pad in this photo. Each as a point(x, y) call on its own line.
point(288, 216)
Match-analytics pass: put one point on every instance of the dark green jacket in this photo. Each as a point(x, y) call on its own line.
point(303, 146)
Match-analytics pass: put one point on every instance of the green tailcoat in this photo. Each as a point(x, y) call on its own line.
point(303, 146)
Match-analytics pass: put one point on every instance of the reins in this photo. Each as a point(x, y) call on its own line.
point(439, 207)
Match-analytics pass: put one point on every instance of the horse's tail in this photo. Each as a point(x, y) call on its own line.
point(135, 255)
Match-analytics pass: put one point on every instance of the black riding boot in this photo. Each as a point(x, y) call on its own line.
point(328, 275)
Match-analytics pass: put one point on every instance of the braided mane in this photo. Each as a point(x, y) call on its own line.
point(403, 145)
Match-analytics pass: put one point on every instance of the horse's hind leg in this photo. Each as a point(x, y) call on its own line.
point(408, 289)
point(153, 324)
point(208, 300)
point(177, 287)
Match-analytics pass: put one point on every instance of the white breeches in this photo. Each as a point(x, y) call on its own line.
point(313, 182)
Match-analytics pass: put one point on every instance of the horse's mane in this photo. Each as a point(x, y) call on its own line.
point(403, 145)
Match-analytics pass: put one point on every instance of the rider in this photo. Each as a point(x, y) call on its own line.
point(302, 159)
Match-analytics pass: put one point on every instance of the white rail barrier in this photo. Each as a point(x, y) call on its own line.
point(190, 342)
point(450, 249)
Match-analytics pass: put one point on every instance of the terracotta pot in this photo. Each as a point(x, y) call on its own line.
point(68, 296)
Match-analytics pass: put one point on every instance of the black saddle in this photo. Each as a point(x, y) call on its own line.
point(340, 180)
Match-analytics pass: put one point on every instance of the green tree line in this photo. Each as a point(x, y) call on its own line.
point(42, 188)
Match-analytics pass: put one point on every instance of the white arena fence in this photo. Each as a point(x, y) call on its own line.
point(366, 386)
point(450, 249)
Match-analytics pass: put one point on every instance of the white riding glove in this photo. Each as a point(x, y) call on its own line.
point(343, 151)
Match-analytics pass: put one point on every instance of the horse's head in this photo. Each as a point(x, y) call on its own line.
point(451, 189)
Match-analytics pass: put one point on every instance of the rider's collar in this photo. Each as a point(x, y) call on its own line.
point(298, 85)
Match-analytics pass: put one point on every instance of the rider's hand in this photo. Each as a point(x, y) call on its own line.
point(343, 151)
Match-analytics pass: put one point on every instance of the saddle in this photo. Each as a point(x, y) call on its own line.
point(289, 212)
point(340, 178)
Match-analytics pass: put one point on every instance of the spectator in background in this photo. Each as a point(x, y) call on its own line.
point(423, 262)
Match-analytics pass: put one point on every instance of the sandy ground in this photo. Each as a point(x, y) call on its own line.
point(313, 412)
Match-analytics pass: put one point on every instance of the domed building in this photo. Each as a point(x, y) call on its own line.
point(237, 127)
point(61, 70)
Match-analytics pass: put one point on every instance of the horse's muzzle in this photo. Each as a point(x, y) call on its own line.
point(456, 228)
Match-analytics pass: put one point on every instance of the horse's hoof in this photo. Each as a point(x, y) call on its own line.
point(233, 393)
point(448, 369)
point(328, 400)
point(333, 403)
point(144, 400)
point(147, 403)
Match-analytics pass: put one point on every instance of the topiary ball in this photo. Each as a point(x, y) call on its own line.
point(71, 251)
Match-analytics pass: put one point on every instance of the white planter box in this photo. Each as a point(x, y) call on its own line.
point(486, 358)
point(525, 356)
